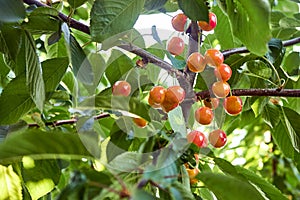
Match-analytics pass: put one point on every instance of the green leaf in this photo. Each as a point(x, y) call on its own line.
point(81, 66)
point(286, 133)
point(43, 20)
point(76, 3)
point(259, 68)
point(117, 65)
point(109, 17)
point(292, 126)
point(223, 29)
point(126, 162)
point(196, 10)
point(276, 52)
point(246, 20)
point(244, 174)
point(40, 176)
point(41, 145)
point(53, 71)
point(10, 183)
point(154, 4)
point(15, 100)
point(11, 11)
point(270, 115)
point(56, 50)
point(228, 187)
point(10, 41)
point(34, 78)
point(176, 63)
point(141, 194)
point(119, 140)
point(288, 22)
point(131, 36)
point(291, 65)
point(177, 121)
point(178, 191)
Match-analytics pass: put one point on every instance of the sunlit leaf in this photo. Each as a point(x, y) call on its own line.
point(10, 183)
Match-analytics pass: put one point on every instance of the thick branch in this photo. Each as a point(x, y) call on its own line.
point(256, 92)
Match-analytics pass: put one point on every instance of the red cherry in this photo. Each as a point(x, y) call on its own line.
point(204, 115)
point(212, 18)
point(175, 46)
point(214, 57)
point(223, 72)
point(178, 22)
point(198, 138)
point(217, 138)
point(121, 88)
point(212, 103)
point(233, 105)
point(196, 62)
point(220, 89)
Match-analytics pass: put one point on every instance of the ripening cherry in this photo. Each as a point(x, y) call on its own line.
point(174, 95)
point(140, 122)
point(220, 89)
point(214, 57)
point(121, 88)
point(175, 46)
point(233, 105)
point(204, 115)
point(211, 24)
point(196, 62)
point(178, 22)
point(223, 72)
point(212, 103)
point(156, 95)
point(192, 174)
point(198, 138)
point(217, 138)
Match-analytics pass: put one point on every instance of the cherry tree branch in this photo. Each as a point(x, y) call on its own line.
point(256, 92)
point(285, 43)
point(68, 121)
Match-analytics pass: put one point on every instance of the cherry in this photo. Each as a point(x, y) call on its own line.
point(175, 46)
point(178, 22)
point(198, 138)
point(192, 174)
point(233, 105)
point(173, 96)
point(212, 103)
point(221, 89)
point(217, 138)
point(223, 72)
point(140, 122)
point(196, 62)
point(204, 115)
point(121, 88)
point(214, 57)
point(156, 95)
point(212, 18)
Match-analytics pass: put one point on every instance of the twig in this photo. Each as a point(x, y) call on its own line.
point(68, 121)
point(256, 92)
